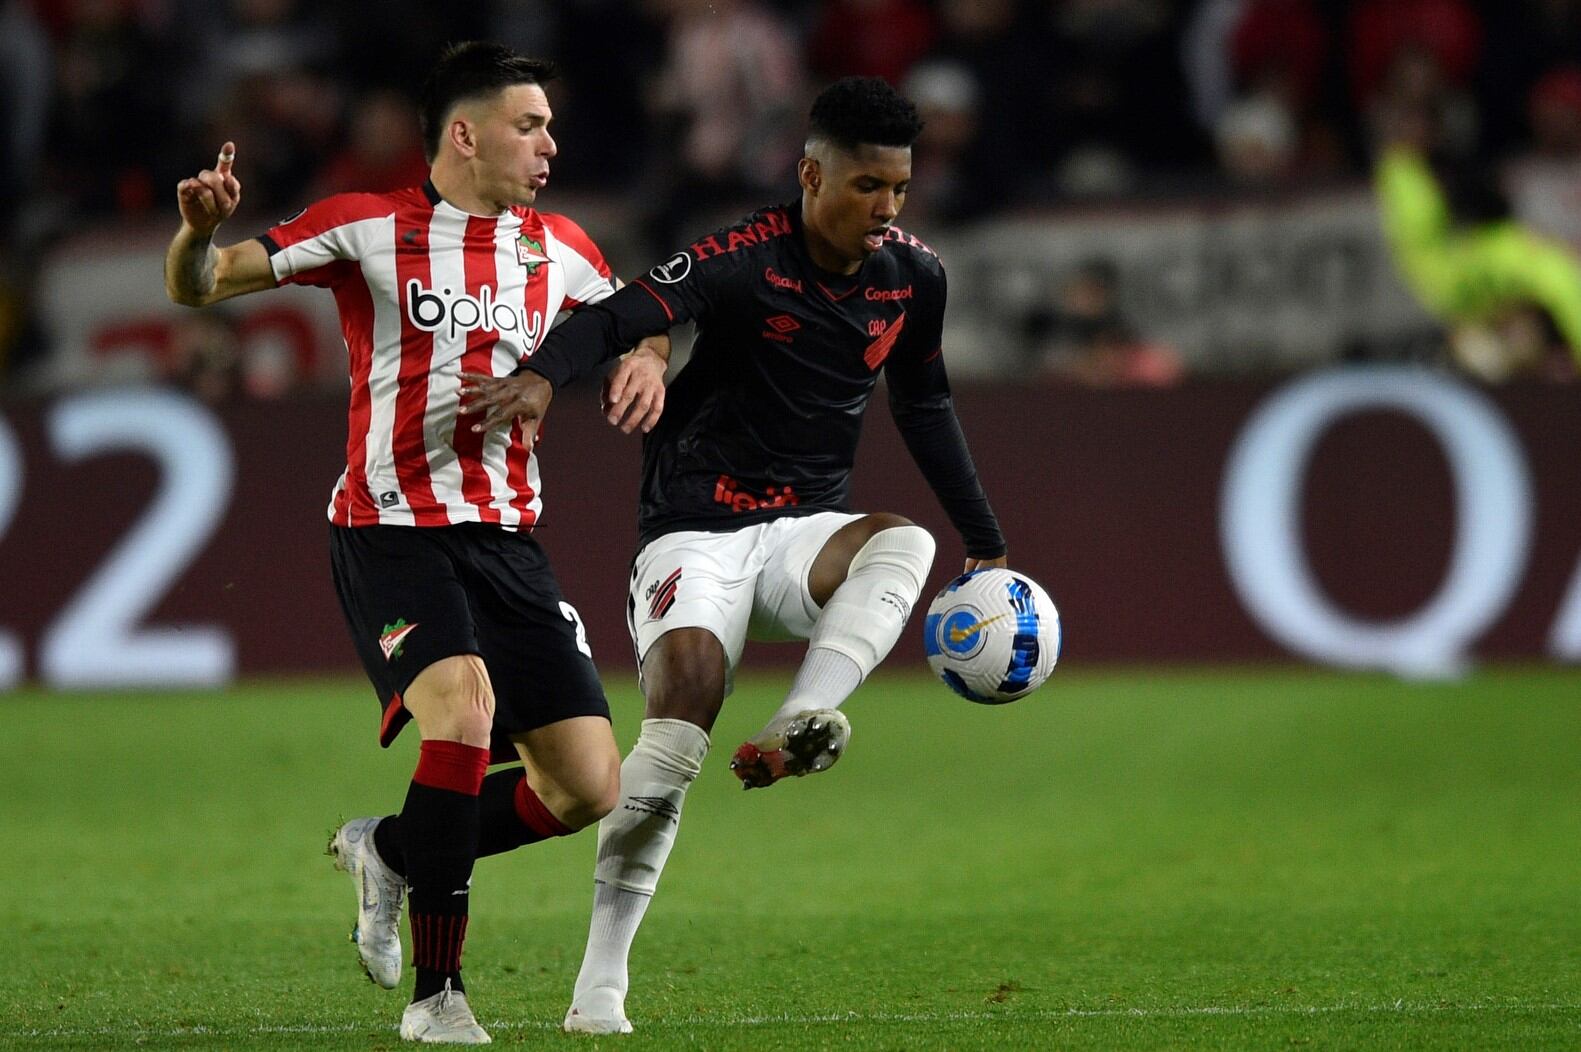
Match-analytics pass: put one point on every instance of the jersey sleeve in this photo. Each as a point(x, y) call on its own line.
point(683, 288)
point(587, 275)
point(306, 248)
point(924, 412)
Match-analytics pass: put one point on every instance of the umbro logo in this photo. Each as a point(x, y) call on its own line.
point(410, 237)
point(654, 805)
point(782, 325)
point(899, 602)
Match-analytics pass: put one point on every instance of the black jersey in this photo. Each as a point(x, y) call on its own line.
point(763, 420)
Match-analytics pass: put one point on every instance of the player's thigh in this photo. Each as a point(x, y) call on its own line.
point(405, 605)
point(574, 767)
point(694, 580)
point(453, 700)
point(785, 606)
point(686, 676)
point(532, 639)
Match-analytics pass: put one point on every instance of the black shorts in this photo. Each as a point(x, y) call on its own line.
point(414, 595)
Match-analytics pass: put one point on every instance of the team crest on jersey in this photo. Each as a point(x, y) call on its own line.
point(394, 637)
point(529, 254)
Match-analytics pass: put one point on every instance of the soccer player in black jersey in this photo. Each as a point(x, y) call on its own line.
point(745, 524)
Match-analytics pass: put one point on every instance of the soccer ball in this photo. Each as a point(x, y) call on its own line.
point(992, 636)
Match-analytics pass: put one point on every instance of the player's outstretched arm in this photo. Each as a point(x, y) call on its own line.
point(196, 273)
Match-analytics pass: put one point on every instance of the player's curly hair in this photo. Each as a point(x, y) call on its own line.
point(863, 111)
point(468, 70)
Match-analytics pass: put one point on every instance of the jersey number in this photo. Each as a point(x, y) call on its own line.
point(568, 612)
point(96, 640)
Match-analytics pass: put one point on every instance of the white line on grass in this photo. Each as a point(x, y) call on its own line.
point(1010, 1015)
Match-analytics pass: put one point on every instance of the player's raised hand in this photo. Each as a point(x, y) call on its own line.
point(501, 399)
point(634, 391)
point(210, 197)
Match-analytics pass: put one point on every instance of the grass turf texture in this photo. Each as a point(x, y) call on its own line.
point(1126, 860)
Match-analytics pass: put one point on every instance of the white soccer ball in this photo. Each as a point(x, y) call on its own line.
point(992, 636)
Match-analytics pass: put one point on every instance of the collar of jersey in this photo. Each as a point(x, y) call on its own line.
point(436, 199)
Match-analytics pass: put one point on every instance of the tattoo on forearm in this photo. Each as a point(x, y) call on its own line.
point(197, 267)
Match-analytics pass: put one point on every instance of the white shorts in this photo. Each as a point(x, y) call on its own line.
point(750, 583)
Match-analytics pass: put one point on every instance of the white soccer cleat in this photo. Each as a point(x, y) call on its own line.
point(602, 1010)
point(443, 1019)
point(380, 895)
point(805, 743)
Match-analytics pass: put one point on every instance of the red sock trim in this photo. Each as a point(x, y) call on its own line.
point(535, 815)
point(451, 765)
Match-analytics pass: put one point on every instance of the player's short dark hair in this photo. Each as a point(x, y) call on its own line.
point(863, 111)
point(471, 70)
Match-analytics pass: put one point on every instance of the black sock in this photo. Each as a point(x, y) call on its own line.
point(439, 841)
point(511, 814)
point(387, 841)
point(506, 806)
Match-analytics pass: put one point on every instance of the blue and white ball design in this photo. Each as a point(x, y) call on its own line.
point(992, 636)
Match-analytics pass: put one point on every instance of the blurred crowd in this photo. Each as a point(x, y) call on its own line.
point(679, 112)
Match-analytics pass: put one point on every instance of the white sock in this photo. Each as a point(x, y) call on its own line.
point(634, 841)
point(825, 679)
point(617, 913)
point(862, 619)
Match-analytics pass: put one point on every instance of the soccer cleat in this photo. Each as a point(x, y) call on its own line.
point(602, 1010)
point(380, 894)
point(443, 1019)
point(805, 743)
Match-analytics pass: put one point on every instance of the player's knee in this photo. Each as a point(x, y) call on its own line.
point(591, 806)
point(904, 547)
point(594, 795)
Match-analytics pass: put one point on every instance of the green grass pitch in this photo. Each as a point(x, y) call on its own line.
point(1128, 860)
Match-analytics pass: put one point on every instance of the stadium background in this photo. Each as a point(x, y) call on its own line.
point(1158, 223)
point(1216, 422)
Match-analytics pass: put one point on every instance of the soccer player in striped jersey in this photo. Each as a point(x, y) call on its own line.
point(450, 601)
point(746, 526)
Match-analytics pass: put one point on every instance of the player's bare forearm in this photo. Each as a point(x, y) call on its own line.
point(658, 346)
point(197, 273)
point(189, 268)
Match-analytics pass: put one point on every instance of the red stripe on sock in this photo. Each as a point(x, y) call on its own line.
point(451, 765)
point(438, 940)
point(535, 815)
point(420, 951)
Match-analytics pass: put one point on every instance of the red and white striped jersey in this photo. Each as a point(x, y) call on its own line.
point(426, 291)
